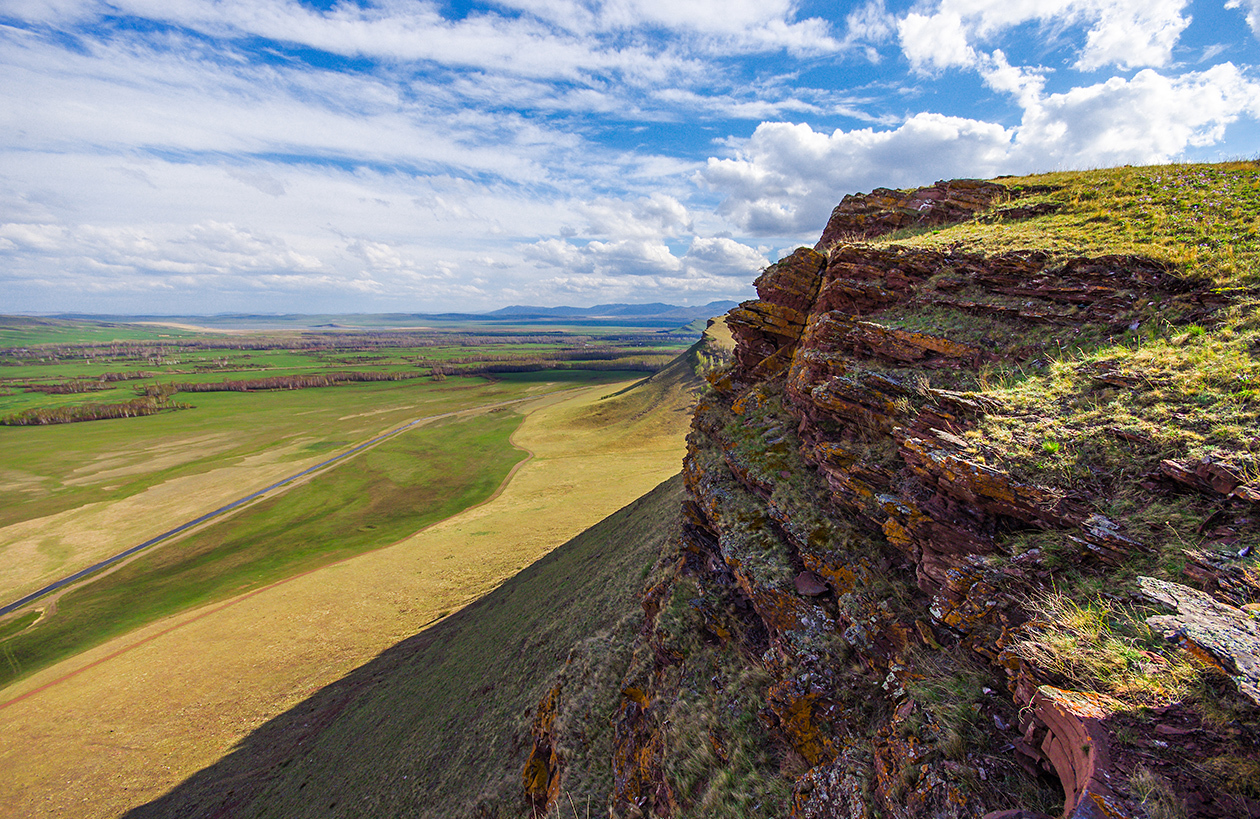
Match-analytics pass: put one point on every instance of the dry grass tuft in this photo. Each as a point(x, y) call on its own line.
point(1156, 795)
point(1106, 648)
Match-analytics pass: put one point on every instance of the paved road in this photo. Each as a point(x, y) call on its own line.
point(109, 561)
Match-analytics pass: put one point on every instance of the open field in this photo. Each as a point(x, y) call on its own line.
point(73, 493)
point(414, 479)
point(121, 723)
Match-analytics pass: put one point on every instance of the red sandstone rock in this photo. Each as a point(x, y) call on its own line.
point(1076, 744)
point(865, 216)
point(893, 456)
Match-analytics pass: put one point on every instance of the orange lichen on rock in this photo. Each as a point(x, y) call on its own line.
point(541, 777)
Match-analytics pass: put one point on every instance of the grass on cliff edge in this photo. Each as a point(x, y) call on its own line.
point(438, 725)
point(1204, 219)
point(1092, 416)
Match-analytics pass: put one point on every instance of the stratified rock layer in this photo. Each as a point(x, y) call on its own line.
point(851, 553)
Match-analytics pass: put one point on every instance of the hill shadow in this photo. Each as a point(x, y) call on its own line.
point(438, 724)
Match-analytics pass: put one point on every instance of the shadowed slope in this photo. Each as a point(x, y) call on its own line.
point(438, 724)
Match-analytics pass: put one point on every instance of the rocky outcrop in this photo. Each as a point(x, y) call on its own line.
point(865, 216)
point(1227, 636)
point(541, 777)
point(852, 549)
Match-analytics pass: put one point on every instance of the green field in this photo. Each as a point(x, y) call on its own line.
point(384, 494)
point(60, 482)
point(51, 468)
point(47, 364)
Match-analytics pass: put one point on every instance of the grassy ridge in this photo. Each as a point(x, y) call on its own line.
point(23, 331)
point(438, 725)
point(1204, 219)
point(386, 493)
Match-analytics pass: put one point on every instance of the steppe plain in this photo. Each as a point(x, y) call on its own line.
point(207, 660)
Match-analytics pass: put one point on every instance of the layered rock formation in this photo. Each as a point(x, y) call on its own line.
point(840, 632)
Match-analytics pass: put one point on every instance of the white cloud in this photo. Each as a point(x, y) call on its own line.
point(1126, 33)
point(1151, 118)
point(1252, 7)
point(935, 41)
point(1025, 84)
point(720, 256)
point(623, 257)
point(654, 216)
point(711, 268)
point(868, 26)
point(785, 179)
point(546, 39)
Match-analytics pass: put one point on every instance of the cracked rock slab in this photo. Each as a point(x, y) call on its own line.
point(1228, 634)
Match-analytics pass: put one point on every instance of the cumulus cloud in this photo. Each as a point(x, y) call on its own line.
point(1150, 118)
point(655, 216)
point(1126, 33)
point(720, 256)
point(785, 179)
point(711, 268)
point(624, 257)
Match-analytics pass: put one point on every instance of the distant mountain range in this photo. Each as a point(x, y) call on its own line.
point(655, 315)
point(653, 310)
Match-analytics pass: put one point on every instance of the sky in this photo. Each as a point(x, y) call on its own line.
point(277, 156)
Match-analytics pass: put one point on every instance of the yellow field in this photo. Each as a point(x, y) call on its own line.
point(41, 550)
point(124, 722)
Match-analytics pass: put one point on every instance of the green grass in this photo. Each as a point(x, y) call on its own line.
point(13, 626)
point(1204, 219)
point(1107, 648)
point(467, 687)
point(53, 468)
point(382, 495)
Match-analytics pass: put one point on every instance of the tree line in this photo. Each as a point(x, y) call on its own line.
point(153, 398)
point(134, 408)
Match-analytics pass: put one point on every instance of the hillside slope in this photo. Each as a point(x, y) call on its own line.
point(437, 725)
point(975, 447)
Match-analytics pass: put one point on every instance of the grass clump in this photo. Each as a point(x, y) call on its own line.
point(1107, 648)
point(1155, 795)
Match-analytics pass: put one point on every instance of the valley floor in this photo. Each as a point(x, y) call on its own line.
point(123, 723)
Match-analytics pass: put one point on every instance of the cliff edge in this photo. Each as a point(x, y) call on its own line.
point(971, 519)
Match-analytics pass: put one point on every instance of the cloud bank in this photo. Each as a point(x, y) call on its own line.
point(204, 155)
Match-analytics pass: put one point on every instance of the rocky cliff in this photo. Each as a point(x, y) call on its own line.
point(970, 522)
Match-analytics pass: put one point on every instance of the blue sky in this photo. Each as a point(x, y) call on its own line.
point(202, 156)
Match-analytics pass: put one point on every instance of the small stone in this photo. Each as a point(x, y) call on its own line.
point(810, 584)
